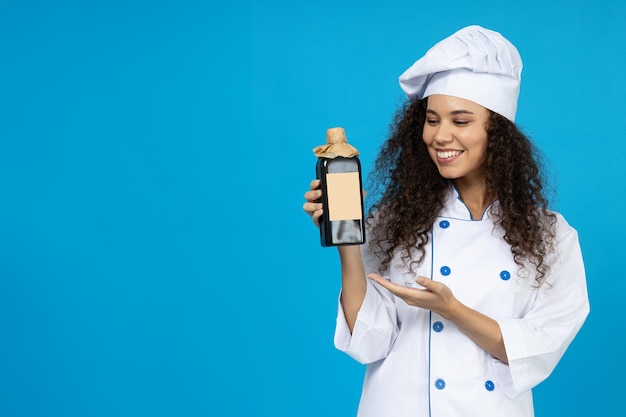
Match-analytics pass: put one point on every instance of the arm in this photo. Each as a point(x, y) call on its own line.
point(536, 342)
point(437, 297)
point(353, 282)
point(366, 320)
point(483, 330)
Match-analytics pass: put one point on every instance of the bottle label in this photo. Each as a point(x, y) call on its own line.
point(344, 196)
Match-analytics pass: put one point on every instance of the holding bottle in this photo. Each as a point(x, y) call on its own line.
point(339, 171)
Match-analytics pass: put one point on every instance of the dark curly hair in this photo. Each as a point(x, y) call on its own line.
point(409, 192)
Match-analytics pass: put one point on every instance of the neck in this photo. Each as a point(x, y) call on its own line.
point(474, 195)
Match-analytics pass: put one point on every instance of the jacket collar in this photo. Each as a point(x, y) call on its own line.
point(454, 207)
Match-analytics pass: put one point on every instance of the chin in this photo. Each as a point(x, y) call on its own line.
point(449, 175)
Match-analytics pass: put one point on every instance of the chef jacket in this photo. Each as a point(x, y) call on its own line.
point(419, 364)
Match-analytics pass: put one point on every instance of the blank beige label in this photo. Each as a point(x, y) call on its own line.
point(344, 196)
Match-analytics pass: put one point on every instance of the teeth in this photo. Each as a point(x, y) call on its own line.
point(447, 154)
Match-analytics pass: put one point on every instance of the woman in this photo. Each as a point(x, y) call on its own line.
point(469, 290)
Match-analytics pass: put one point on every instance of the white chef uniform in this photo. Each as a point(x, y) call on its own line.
point(421, 365)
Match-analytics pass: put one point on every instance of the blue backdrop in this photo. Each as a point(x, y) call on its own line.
point(154, 256)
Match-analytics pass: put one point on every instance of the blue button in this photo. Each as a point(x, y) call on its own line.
point(444, 224)
point(440, 384)
point(489, 385)
point(505, 275)
point(445, 270)
point(437, 326)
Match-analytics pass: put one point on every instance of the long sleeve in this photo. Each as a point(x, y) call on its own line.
point(376, 326)
point(375, 329)
point(536, 342)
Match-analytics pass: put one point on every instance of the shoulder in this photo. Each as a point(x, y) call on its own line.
point(566, 242)
point(562, 228)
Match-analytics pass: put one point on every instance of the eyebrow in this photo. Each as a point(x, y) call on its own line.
point(452, 113)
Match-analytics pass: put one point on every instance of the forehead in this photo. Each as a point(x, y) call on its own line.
point(442, 104)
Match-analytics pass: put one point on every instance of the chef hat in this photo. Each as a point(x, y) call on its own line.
point(475, 64)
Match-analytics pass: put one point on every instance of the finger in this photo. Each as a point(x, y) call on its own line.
point(315, 184)
point(313, 196)
point(311, 208)
point(316, 216)
point(423, 281)
point(394, 288)
point(377, 278)
point(427, 283)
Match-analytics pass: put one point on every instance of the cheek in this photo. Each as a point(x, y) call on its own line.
point(428, 141)
point(427, 136)
point(483, 146)
point(476, 140)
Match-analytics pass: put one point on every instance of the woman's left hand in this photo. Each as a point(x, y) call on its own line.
point(434, 296)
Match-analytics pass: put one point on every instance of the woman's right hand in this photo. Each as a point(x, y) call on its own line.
point(313, 206)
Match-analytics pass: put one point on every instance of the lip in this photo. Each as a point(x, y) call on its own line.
point(445, 156)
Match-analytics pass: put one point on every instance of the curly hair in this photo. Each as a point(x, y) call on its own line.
point(409, 192)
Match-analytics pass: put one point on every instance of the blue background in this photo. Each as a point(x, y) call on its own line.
point(154, 256)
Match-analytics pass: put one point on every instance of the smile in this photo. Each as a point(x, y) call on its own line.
point(448, 154)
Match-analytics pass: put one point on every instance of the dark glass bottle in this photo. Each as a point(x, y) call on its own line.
point(343, 220)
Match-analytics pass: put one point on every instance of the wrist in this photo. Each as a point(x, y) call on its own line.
point(454, 310)
point(349, 250)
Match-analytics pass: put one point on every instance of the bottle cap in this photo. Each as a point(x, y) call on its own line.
point(336, 145)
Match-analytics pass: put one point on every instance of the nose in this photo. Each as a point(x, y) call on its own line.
point(443, 134)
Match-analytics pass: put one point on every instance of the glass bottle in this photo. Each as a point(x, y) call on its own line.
point(339, 171)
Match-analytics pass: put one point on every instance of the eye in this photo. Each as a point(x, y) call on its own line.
point(431, 122)
point(461, 122)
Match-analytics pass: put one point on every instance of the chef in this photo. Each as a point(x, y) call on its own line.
point(469, 289)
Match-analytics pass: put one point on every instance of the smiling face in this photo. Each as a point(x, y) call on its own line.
point(455, 133)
